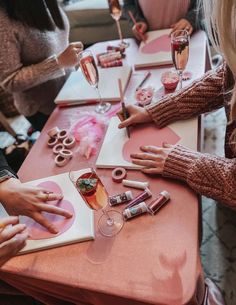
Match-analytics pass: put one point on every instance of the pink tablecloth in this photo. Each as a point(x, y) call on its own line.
point(153, 260)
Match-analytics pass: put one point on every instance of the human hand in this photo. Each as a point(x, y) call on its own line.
point(19, 199)
point(182, 24)
point(139, 30)
point(12, 238)
point(70, 56)
point(152, 158)
point(136, 115)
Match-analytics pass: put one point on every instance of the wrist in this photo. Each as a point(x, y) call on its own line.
point(7, 187)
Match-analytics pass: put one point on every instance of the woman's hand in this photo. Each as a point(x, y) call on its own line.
point(70, 56)
point(139, 30)
point(12, 238)
point(152, 158)
point(19, 199)
point(182, 24)
point(136, 115)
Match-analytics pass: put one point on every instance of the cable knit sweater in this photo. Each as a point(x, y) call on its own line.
point(28, 65)
point(207, 174)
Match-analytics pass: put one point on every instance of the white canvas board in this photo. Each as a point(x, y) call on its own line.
point(77, 90)
point(111, 156)
point(159, 54)
point(82, 228)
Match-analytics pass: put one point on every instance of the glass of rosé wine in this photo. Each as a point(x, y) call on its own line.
point(116, 12)
point(95, 195)
point(90, 71)
point(180, 51)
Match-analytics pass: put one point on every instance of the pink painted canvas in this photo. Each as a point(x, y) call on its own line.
point(156, 51)
point(36, 231)
point(159, 44)
point(147, 134)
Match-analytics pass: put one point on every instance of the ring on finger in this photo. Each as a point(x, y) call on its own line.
point(47, 193)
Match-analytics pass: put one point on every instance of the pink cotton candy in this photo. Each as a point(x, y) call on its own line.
point(88, 131)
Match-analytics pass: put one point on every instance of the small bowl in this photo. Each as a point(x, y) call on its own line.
point(170, 80)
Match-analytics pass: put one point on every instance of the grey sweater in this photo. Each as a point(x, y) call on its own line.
point(191, 16)
point(28, 64)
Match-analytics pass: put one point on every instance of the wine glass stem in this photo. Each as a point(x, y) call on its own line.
point(110, 221)
point(99, 96)
point(181, 78)
point(119, 30)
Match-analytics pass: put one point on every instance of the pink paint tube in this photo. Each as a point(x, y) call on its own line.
point(114, 63)
point(141, 197)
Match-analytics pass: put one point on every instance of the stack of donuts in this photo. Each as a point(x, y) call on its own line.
point(61, 142)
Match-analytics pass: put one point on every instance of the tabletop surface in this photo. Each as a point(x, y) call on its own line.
point(153, 260)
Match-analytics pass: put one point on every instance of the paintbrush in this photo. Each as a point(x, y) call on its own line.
point(124, 110)
point(147, 75)
point(135, 23)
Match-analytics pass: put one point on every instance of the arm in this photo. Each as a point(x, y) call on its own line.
point(14, 76)
point(201, 96)
point(20, 199)
point(206, 174)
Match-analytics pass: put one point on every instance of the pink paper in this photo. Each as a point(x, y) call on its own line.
point(160, 44)
point(36, 231)
point(148, 134)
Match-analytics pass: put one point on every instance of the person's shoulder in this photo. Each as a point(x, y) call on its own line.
point(5, 21)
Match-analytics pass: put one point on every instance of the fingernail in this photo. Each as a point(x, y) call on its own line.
point(54, 230)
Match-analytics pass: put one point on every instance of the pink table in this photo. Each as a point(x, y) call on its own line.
point(153, 260)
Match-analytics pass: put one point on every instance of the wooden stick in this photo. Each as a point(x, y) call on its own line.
point(124, 110)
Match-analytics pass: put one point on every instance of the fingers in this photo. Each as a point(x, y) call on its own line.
point(45, 223)
point(139, 30)
point(182, 24)
point(78, 46)
point(145, 163)
point(126, 123)
point(46, 195)
point(12, 246)
point(54, 210)
point(152, 149)
point(11, 220)
point(10, 231)
point(146, 156)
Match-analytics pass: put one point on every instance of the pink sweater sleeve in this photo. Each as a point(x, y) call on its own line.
point(208, 175)
point(191, 101)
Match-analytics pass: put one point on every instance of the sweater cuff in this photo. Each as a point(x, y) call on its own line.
point(163, 112)
point(179, 162)
point(52, 67)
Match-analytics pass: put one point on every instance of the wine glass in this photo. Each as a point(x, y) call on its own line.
point(94, 193)
point(115, 11)
point(180, 51)
point(90, 72)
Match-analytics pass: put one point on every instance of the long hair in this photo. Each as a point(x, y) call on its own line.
point(43, 15)
point(220, 18)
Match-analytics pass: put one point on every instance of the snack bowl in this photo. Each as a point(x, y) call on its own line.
point(170, 80)
point(144, 96)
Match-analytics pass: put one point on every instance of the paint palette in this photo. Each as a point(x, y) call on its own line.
point(155, 51)
point(76, 229)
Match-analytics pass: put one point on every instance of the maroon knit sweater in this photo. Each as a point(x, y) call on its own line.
point(207, 174)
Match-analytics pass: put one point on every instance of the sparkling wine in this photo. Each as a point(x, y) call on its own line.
point(92, 190)
point(180, 52)
point(89, 69)
point(115, 9)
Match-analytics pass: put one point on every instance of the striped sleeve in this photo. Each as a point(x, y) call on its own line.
point(203, 95)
